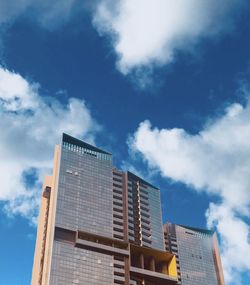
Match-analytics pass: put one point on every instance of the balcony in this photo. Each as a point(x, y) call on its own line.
point(151, 265)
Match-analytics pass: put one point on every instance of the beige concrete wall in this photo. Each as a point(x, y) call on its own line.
point(51, 181)
point(40, 232)
point(217, 261)
point(51, 220)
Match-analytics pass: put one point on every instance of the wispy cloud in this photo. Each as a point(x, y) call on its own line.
point(215, 160)
point(30, 125)
point(48, 14)
point(146, 33)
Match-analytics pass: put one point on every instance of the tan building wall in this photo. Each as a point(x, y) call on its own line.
point(217, 261)
point(46, 225)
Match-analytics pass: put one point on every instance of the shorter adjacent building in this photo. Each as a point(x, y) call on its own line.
point(197, 255)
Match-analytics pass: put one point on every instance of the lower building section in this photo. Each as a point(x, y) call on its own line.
point(72, 265)
point(85, 258)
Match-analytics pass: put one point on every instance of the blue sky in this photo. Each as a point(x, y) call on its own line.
point(162, 85)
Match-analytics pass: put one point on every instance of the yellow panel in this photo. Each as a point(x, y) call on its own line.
point(172, 268)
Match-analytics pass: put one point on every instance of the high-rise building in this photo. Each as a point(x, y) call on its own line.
point(98, 225)
point(197, 255)
point(101, 226)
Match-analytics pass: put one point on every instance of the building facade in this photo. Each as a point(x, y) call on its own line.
point(197, 255)
point(98, 225)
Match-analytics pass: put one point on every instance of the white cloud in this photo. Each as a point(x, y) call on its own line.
point(235, 241)
point(215, 160)
point(18, 96)
point(30, 126)
point(144, 33)
point(147, 33)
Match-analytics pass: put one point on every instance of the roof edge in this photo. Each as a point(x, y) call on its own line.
point(69, 139)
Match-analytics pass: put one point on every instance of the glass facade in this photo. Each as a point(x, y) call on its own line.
point(72, 265)
point(85, 192)
point(194, 250)
point(84, 203)
point(155, 218)
point(196, 257)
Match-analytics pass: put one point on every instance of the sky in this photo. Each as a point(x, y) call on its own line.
point(163, 85)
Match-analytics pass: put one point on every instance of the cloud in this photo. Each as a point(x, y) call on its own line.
point(235, 242)
point(30, 126)
point(48, 14)
point(215, 160)
point(147, 33)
